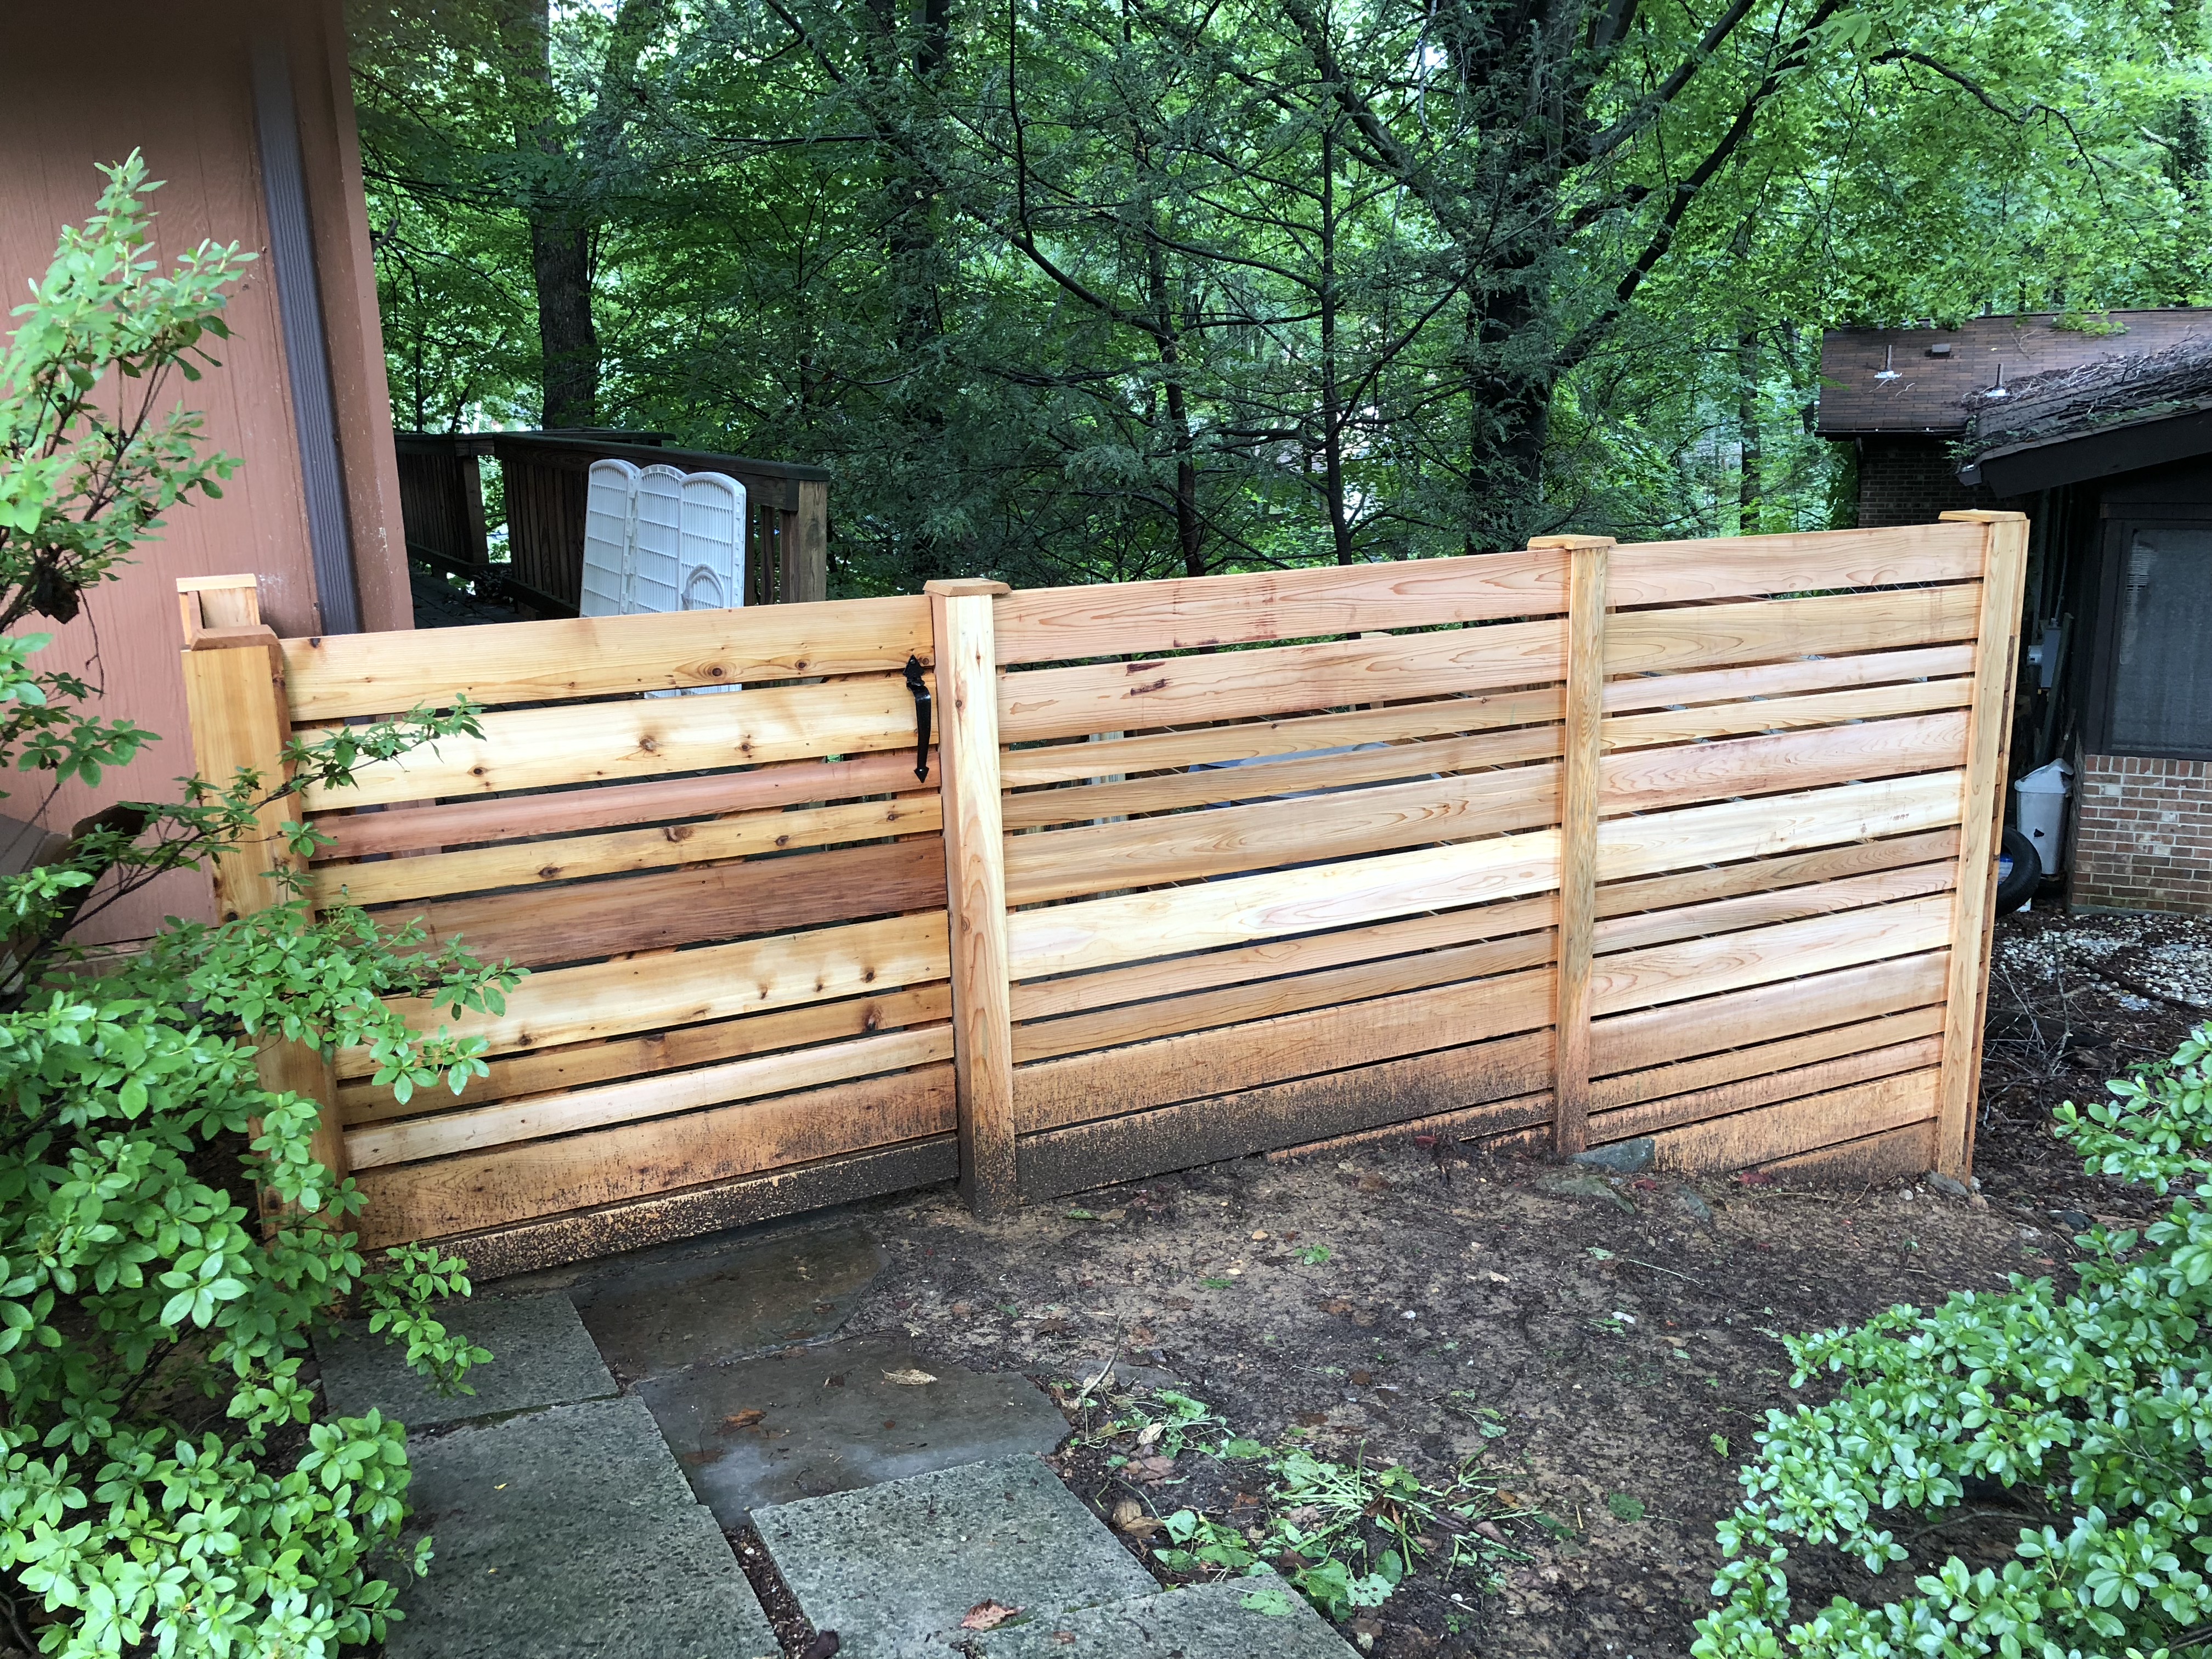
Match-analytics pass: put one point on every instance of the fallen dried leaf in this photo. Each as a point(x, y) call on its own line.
point(987, 1615)
point(744, 1420)
point(1154, 1467)
point(1126, 1513)
point(1489, 1529)
point(1149, 1434)
point(910, 1378)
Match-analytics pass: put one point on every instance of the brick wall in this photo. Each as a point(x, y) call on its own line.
point(2142, 835)
point(1910, 479)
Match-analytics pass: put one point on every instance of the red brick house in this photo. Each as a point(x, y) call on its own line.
point(2103, 436)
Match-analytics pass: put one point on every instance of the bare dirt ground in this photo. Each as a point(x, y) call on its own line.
point(1581, 1370)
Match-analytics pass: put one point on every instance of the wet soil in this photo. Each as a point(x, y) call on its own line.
point(1582, 1363)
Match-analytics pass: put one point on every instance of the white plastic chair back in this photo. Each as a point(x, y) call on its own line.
point(713, 542)
point(656, 580)
point(607, 539)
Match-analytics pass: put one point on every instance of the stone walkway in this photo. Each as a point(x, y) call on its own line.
point(637, 1411)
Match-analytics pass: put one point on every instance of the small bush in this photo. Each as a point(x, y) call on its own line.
point(2088, 1414)
point(163, 1489)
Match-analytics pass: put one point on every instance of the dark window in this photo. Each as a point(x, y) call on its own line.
point(2162, 694)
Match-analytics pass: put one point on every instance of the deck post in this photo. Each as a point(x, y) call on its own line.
point(1588, 557)
point(967, 699)
point(1989, 747)
point(241, 720)
point(805, 547)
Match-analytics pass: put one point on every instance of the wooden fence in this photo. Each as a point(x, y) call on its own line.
point(1575, 845)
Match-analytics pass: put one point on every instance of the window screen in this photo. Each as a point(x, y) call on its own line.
point(2162, 682)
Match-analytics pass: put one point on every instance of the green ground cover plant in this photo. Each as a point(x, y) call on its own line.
point(164, 1488)
point(2081, 1419)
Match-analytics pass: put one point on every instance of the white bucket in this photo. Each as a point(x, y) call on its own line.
point(2042, 797)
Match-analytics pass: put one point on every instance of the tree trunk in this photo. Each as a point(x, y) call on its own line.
point(1332, 411)
point(1748, 484)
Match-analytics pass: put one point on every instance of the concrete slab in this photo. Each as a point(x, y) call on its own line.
point(570, 1533)
point(1212, 1621)
point(828, 1419)
point(709, 1304)
point(541, 1356)
point(894, 1568)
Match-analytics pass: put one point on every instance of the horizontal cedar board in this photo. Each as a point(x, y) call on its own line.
point(1222, 784)
point(1907, 1152)
point(1619, 1098)
point(1144, 852)
point(1061, 702)
point(1774, 714)
point(1055, 1092)
point(625, 851)
point(547, 1177)
point(1270, 958)
point(1646, 779)
point(542, 1117)
point(1507, 1072)
point(666, 909)
point(1104, 933)
point(1733, 961)
point(1675, 572)
point(1650, 927)
point(1772, 824)
point(342, 675)
point(1060, 624)
point(1628, 1044)
point(638, 738)
point(580, 1064)
point(1859, 1066)
point(515, 817)
point(644, 993)
point(1233, 1004)
point(1800, 1126)
point(1197, 745)
point(1788, 678)
point(1756, 876)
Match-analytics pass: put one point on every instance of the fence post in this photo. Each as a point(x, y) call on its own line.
point(806, 550)
point(1588, 557)
point(1989, 748)
point(976, 887)
point(234, 697)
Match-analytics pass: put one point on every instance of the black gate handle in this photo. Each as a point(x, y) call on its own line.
point(921, 718)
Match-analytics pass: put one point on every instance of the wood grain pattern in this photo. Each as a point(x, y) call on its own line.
point(1499, 1074)
point(666, 909)
point(1782, 713)
point(1143, 852)
point(1673, 641)
point(624, 852)
point(1056, 1092)
point(1693, 836)
point(1859, 1066)
point(1802, 561)
point(1799, 1126)
point(1059, 624)
point(1659, 1036)
point(541, 1116)
point(1203, 745)
point(343, 675)
point(1583, 791)
point(1105, 932)
point(1687, 887)
point(548, 1177)
point(235, 700)
point(1760, 909)
point(1790, 677)
point(1646, 779)
point(1614, 1096)
point(639, 738)
point(1220, 785)
point(1732, 962)
point(613, 999)
point(515, 817)
point(1232, 1004)
point(1272, 958)
point(2005, 571)
point(976, 888)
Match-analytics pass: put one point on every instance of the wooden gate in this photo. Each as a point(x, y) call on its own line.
point(1579, 844)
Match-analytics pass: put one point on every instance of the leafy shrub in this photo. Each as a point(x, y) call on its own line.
point(157, 1492)
point(2089, 1415)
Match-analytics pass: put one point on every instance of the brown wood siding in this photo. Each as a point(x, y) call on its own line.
point(183, 95)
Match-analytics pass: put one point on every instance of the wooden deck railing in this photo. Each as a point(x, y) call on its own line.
point(1572, 845)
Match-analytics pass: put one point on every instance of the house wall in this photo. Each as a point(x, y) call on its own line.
point(2142, 835)
point(1910, 478)
point(81, 86)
